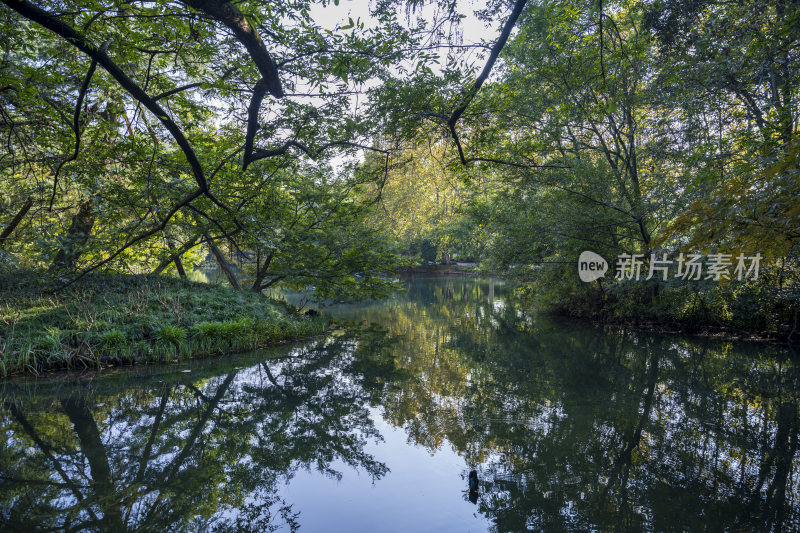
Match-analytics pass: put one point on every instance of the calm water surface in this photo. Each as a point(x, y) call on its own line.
point(374, 428)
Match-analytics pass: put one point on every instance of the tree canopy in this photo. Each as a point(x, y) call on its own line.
point(310, 153)
point(137, 131)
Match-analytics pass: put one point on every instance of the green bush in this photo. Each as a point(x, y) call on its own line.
point(113, 339)
point(169, 334)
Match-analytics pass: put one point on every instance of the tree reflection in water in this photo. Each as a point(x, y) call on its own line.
point(580, 428)
point(570, 427)
point(206, 454)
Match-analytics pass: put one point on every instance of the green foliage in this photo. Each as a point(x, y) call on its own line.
point(427, 250)
point(170, 334)
point(762, 308)
point(120, 204)
point(108, 319)
point(626, 127)
point(312, 233)
point(423, 204)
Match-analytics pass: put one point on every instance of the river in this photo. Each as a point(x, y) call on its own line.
point(375, 428)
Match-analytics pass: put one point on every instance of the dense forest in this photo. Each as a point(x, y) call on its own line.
point(295, 152)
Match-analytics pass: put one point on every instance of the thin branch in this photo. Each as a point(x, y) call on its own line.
point(509, 163)
point(76, 123)
point(313, 154)
point(176, 90)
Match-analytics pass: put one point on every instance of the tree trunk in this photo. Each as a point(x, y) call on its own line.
point(176, 258)
point(76, 238)
point(223, 264)
point(188, 245)
point(16, 220)
point(261, 272)
point(93, 449)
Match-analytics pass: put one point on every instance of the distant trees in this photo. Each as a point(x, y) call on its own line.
point(626, 127)
point(421, 204)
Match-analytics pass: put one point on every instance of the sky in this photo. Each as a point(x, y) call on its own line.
point(472, 31)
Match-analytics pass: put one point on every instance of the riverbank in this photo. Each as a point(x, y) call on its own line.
point(106, 320)
point(726, 313)
point(452, 269)
point(682, 329)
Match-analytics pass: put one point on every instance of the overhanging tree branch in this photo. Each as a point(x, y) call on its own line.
point(31, 12)
point(99, 55)
point(270, 82)
point(493, 55)
point(229, 14)
point(470, 94)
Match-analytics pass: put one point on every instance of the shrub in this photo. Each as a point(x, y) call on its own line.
point(170, 334)
point(113, 339)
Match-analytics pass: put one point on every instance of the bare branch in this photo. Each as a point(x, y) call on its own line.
point(229, 14)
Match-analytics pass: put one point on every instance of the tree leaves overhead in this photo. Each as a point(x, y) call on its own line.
point(185, 97)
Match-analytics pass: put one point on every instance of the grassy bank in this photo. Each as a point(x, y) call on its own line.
point(104, 320)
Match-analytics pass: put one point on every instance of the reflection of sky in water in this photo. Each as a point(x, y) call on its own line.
point(570, 428)
point(422, 492)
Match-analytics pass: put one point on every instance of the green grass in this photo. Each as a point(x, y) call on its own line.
point(114, 319)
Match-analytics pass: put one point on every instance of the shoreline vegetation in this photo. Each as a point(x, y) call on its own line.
point(109, 320)
point(441, 269)
point(672, 327)
point(749, 311)
point(752, 312)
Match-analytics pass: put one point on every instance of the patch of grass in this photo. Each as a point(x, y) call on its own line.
point(114, 319)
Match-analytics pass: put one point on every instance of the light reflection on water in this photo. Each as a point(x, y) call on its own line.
point(375, 429)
